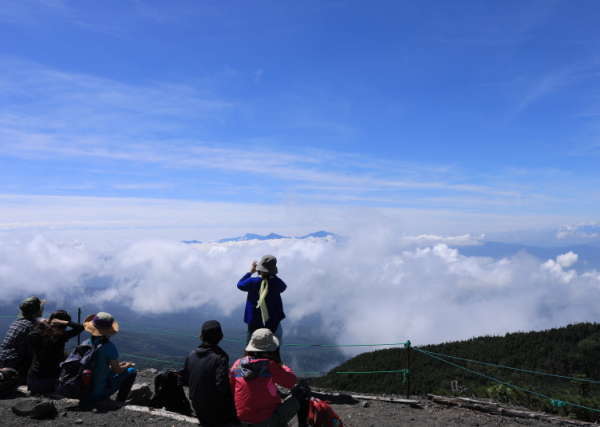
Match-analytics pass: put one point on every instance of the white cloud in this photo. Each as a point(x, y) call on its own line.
point(567, 260)
point(584, 231)
point(375, 288)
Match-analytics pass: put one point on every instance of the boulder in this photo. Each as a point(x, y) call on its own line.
point(35, 408)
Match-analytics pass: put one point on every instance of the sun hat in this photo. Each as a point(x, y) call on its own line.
point(263, 340)
point(211, 332)
point(267, 264)
point(101, 324)
point(31, 306)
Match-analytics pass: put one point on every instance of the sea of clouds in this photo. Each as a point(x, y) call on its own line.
point(372, 287)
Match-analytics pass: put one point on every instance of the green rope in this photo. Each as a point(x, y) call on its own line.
point(507, 384)
point(397, 371)
point(527, 371)
point(243, 341)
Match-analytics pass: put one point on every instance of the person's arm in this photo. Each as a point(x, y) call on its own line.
point(75, 330)
point(246, 280)
point(222, 375)
point(120, 367)
point(184, 374)
point(232, 378)
point(282, 286)
point(283, 375)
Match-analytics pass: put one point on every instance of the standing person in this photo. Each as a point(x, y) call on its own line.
point(15, 351)
point(253, 380)
point(206, 372)
point(48, 339)
point(264, 308)
point(109, 375)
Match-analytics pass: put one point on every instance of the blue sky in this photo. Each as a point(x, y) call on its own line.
point(485, 108)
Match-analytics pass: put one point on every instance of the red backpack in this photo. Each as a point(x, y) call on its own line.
point(321, 414)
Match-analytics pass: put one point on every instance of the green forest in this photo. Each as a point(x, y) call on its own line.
point(572, 351)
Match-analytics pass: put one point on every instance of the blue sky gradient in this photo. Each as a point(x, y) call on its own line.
point(479, 107)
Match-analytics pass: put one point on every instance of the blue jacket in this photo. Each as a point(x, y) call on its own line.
point(252, 314)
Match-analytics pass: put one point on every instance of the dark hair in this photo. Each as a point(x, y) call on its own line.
point(60, 315)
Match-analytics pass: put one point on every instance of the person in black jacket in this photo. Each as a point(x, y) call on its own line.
point(206, 372)
point(47, 340)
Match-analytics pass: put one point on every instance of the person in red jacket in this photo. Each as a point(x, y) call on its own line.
point(253, 381)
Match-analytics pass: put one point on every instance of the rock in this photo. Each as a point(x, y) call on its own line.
point(140, 395)
point(364, 404)
point(35, 408)
point(78, 421)
point(150, 371)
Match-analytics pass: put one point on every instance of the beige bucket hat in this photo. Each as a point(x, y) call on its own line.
point(263, 340)
point(101, 324)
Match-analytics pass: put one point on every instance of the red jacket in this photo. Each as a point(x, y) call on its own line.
point(253, 385)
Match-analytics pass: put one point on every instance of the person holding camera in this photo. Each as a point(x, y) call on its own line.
point(254, 379)
point(264, 308)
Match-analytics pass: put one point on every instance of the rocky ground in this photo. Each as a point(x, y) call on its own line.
point(364, 413)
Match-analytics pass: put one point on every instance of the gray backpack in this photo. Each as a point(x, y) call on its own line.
point(75, 378)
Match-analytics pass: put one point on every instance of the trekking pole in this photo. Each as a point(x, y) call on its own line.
point(79, 321)
point(407, 347)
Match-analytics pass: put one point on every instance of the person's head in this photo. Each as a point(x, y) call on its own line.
point(56, 329)
point(31, 307)
point(262, 343)
point(211, 332)
point(267, 266)
point(101, 324)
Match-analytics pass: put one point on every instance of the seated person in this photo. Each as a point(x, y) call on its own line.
point(15, 351)
point(253, 379)
point(109, 375)
point(48, 339)
point(206, 371)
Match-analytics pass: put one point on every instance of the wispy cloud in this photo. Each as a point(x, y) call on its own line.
point(172, 131)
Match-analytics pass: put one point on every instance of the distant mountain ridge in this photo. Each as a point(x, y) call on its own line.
point(273, 236)
point(322, 234)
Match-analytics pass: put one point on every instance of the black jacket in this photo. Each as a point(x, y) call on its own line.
point(49, 350)
point(206, 372)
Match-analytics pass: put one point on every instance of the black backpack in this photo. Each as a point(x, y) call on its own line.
point(169, 394)
point(76, 371)
point(9, 381)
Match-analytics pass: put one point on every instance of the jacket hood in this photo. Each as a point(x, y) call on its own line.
point(254, 368)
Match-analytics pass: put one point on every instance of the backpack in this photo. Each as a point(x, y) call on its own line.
point(321, 414)
point(75, 378)
point(169, 394)
point(9, 380)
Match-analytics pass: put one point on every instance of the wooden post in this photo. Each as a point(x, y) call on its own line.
point(79, 321)
point(408, 373)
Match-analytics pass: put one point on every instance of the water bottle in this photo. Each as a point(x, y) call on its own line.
point(86, 377)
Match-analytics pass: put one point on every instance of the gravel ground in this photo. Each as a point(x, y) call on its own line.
point(363, 414)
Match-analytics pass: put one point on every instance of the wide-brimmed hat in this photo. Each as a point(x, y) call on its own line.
point(101, 324)
point(31, 306)
point(267, 264)
point(263, 340)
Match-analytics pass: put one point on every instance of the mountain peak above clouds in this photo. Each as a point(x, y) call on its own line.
point(273, 236)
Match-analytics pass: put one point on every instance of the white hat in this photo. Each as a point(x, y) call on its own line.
point(263, 340)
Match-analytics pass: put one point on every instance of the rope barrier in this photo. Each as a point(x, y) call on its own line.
point(551, 400)
point(527, 371)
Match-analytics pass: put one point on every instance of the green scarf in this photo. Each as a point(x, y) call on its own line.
point(262, 303)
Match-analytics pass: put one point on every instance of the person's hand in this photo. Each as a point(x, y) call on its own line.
point(126, 365)
point(253, 267)
point(58, 322)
